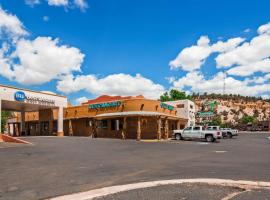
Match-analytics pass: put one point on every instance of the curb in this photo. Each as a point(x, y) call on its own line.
point(122, 188)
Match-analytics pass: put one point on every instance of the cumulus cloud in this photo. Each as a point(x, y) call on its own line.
point(192, 58)
point(115, 84)
point(40, 61)
point(10, 25)
point(196, 82)
point(58, 2)
point(82, 4)
point(32, 2)
point(67, 4)
point(81, 100)
point(250, 57)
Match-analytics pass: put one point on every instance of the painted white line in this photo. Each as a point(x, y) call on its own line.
point(220, 151)
point(122, 188)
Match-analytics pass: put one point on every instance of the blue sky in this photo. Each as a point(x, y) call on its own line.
point(140, 37)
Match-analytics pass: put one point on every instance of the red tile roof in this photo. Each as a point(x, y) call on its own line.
point(107, 98)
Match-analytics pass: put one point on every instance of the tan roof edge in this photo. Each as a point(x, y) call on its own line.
point(13, 87)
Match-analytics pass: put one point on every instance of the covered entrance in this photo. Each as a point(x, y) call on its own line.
point(23, 101)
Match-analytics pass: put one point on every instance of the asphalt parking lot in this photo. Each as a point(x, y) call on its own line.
point(56, 166)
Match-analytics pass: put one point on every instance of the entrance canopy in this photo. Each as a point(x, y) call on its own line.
point(23, 100)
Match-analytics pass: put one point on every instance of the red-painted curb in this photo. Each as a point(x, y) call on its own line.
point(7, 138)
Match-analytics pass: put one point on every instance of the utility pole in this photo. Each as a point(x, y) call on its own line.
point(224, 81)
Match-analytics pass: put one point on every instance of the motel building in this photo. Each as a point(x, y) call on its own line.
point(44, 114)
point(22, 102)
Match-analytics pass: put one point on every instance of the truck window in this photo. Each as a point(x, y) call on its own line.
point(188, 128)
point(197, 128)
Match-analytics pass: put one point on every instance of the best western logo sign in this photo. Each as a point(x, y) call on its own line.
point(21, 97)
point(105, 105)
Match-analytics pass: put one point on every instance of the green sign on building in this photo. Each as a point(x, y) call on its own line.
point(166, 106)
point(105, 105)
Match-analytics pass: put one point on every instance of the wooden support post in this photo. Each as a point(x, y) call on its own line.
point(124, 128)
point(178, 125)
point(166, 129)
point(95, 129)
point(51, 127)
point(8, 129)
point(159, 128)
point(70, 128)
point(139, 131)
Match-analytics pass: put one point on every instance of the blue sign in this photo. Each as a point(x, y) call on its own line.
point(105, 105)
point(19, 96)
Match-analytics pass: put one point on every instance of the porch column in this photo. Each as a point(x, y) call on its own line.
point(60, 122)
point(23, 123)
point(70, 129)
point(166, 129)
point(178, 125)
point(9, 129)
point(139, 129)
point(0, 115)
point(13, 130)
point(159, 128)
point(51, 127)
point(124, 128)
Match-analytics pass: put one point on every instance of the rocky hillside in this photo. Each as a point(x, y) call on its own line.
point(232, 108)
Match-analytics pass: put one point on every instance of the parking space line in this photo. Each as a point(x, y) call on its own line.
point(122, 188)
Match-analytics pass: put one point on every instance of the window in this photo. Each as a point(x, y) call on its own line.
point(191, 106)
point(197, 128)
point(180, 106)
point(103, 124)
point(188, 128)
point(116, 125)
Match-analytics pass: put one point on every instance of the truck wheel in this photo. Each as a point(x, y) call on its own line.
point(229, 135)
point(209, 138)
point(178, 137)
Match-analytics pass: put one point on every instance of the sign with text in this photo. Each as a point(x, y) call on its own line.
point(166, 106)
point(22, 97)
point(105, 105)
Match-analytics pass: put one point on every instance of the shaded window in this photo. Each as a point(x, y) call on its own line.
point(180, 106)
point(116, 124)
point(103, 124)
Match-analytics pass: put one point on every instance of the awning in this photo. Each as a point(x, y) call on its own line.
point(136, 113)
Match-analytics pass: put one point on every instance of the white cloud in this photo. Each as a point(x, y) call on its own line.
point(32, 2)
point(41, 60)
point(58, 2)
point(250, 57)
point(192, 58)
point(226, 46)
point(115, 84)
point(11, 25)
point(198, 83)
point(82, 4)
point(81, 100)
point(264, 29)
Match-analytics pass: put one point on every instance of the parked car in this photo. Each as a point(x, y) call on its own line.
point(197, 132)
point(228, 132)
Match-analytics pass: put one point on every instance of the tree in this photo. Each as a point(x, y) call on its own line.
point(216, 121)
point(248, 119)
point(174, 95)
point(4, 117)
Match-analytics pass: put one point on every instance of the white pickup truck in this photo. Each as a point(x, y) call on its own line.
point(197, 132)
